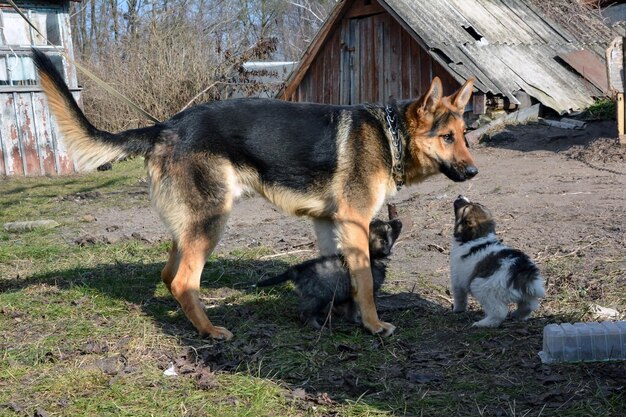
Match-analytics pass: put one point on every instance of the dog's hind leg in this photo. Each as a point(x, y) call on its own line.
point(355, 244)
point(168, 272)
point(495, 312)
point(525, 308)
point(185, 285)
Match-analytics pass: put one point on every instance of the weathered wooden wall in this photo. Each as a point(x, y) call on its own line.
point(369, 57)
point(29, 140)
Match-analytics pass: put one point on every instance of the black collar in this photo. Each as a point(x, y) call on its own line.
point(397, 147)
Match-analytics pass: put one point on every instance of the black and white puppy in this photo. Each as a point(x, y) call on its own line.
point(484, 267)
point(325, 281)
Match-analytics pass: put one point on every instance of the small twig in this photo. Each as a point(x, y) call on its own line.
point(575, 193)
point(448, 299)
point(575, 251)
point(204, 91)
point(436, 247)
point(276, 255)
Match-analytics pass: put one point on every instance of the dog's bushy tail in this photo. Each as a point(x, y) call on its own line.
point(88, 146)
point(278, 279)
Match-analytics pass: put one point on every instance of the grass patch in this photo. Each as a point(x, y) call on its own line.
point(602, 109)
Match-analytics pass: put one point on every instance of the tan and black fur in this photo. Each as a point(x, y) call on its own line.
point(330, 163)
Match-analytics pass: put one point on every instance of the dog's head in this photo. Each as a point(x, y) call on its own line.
point(471, 220)
point(437, 135)
point(383, 235)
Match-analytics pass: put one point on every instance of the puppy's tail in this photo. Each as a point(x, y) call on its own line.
point(278, 279)
point(88, 146)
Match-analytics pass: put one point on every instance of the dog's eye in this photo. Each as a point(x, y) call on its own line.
point(448, 138)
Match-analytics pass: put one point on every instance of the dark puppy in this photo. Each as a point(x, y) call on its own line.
point(493, 273)
point(325, 281)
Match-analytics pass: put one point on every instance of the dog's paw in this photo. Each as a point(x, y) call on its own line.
point(220, 333)
point(458, 310)
point(520, 314)
point(382, 329)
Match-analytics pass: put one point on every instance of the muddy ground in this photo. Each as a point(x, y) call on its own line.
point(556, 194)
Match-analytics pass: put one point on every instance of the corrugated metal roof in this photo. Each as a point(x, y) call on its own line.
point(508, 45)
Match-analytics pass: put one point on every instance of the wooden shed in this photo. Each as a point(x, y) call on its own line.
point(29, 142)
point(376, 50)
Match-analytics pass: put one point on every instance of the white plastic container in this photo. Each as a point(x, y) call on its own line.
point(584, 342)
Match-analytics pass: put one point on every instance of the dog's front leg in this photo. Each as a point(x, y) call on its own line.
point(354, 238)
point(460, 298)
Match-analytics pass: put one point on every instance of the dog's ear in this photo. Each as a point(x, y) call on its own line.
point(461, 97)
point(433, 96)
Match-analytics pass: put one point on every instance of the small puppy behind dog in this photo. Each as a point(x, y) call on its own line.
point(324, 281)
point(493, 273)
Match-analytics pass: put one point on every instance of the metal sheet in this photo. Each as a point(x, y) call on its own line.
point(590, 66)
point(518, 48)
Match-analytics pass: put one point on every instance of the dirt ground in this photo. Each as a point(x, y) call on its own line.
point(556, 194)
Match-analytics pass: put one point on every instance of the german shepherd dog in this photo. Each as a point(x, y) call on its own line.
point(481, 265)
point(325, 281)
point(335, 164)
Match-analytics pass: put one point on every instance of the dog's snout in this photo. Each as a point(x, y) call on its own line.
point(471, 171)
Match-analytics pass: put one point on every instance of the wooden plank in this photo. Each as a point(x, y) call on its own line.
point(335, 63)
point(355, 64)
point(520, 116)
point(345, 72)
point(620, 118)
point(405, 65)
point(418, 70)
point(377, 89)
point(44, 135)
point(426, 70)
point(10, 136)
point(64, 163)
point(385, 88)
point(318, 77)
point(479, 103)
point(30, 151)
point(326, 79)
point(366, 59)
point(615, 65)
point(395, 50)
point(40, 137)
point(3, 168)
point(362, 9)
point(326, 70)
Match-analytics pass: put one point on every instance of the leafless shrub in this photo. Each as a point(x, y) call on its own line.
point(168, 57)
point(579, 17)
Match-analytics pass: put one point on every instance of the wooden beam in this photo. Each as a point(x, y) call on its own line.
point(479, 103)
point(620, 118)
point(361, 9)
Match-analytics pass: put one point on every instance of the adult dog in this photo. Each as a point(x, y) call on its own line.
point(335, 164)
